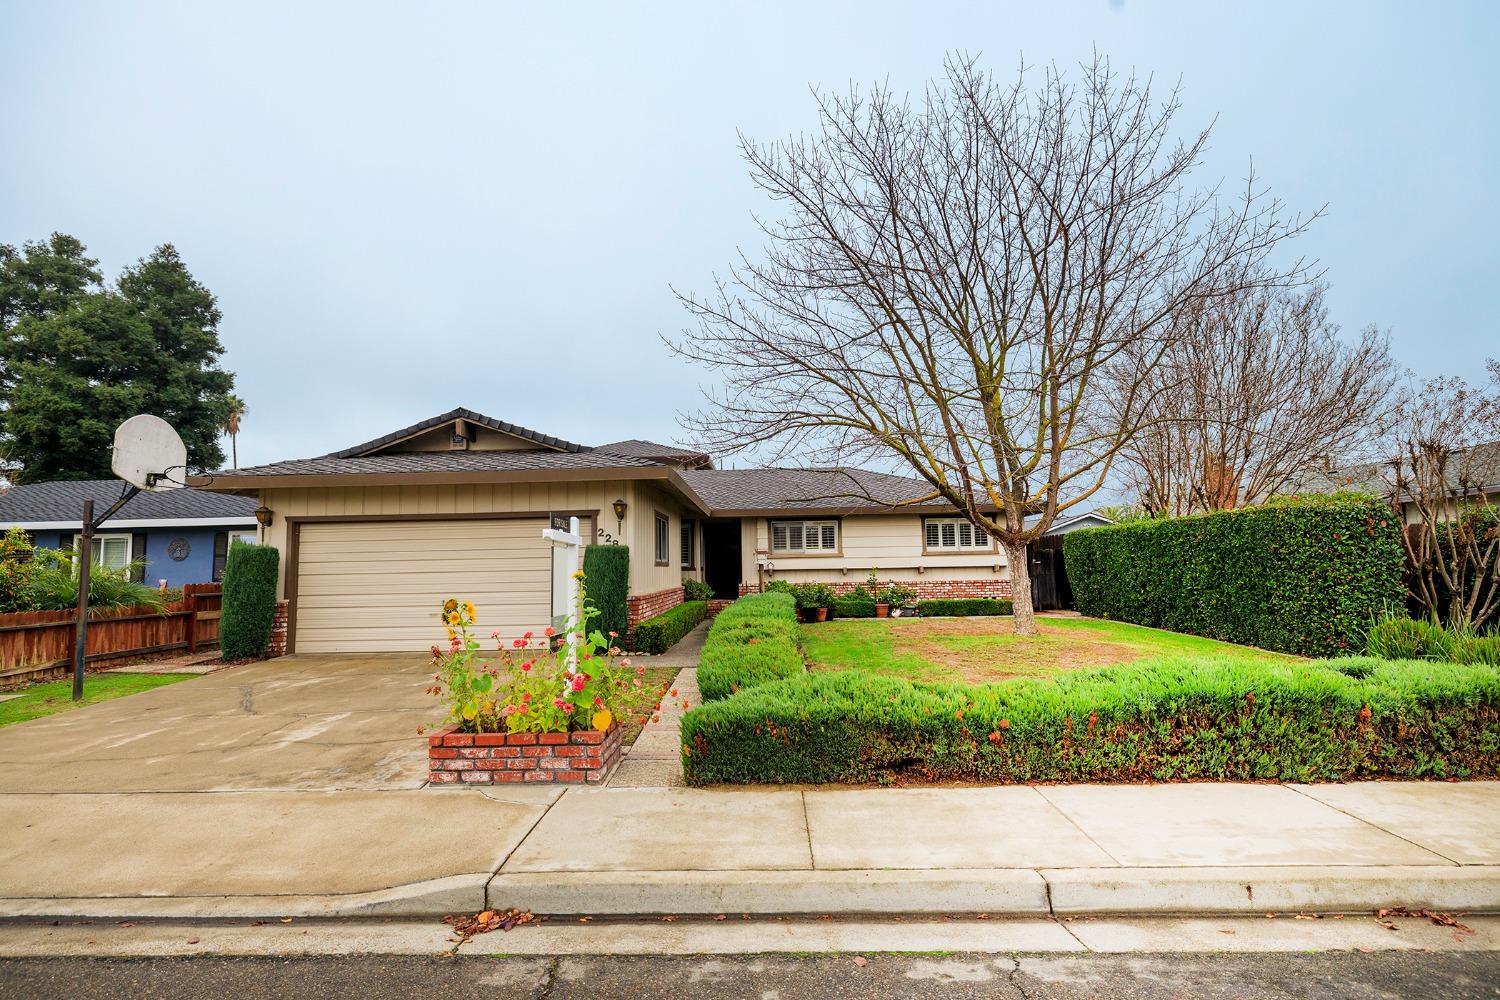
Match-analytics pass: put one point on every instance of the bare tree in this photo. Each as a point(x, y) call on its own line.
point(1258, 389)
point(955, 281)
point(1444, 442)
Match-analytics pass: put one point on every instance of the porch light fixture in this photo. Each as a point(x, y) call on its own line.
point(263, 516)
point(620, 507)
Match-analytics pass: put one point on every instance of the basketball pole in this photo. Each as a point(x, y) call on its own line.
point(83, 551)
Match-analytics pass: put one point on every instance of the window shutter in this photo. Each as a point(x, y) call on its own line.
point(794, 537)
point(138, 551)
point(687, 542)
point(965, 533)
point(830, 538)
point(930, 529)
point(950, 537)
point(778, 536)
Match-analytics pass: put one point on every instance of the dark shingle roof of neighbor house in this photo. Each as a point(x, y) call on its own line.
point(807, 489)
point(63, 501)
point(1483, 465)
point(658, 452)
point(397, 462)
point(515, 430)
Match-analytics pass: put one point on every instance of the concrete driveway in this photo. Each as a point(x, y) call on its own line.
point(298, 723)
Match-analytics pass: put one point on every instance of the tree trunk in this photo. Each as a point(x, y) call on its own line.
point(1019, 563)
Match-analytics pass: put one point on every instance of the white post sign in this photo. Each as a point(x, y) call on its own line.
point(567, 554)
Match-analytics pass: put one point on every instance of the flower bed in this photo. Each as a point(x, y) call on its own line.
point(581, 756)
point(1171, 719)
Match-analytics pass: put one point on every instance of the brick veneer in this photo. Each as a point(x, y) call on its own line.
point(277, 645)
point(639, 607)
point(495, 758)
point(927, 590)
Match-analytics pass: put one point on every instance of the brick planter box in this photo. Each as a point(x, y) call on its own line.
point(494, 758)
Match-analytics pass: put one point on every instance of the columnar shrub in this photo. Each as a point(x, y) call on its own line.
point(659, 634)
point(753, 641)
point(1214, 718)
point(607, 568)
point(249, 601)
point(1300, 575)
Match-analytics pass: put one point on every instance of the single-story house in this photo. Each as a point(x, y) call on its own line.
point(1474, 474)
point(183, 535)
point(374, 536)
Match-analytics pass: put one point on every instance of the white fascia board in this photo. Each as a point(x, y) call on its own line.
point(154, 522)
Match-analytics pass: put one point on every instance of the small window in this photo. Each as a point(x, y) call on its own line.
point(808, 537)
point(953, 533)
point(687, 543)
point(663, 540)
point(222, 541)
point(111, 551)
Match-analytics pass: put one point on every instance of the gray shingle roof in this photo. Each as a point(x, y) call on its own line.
point(1481, 464)
point(653, 450)
point(395, 463)
point(457, 413)
point(806, 489)
point(63, 501)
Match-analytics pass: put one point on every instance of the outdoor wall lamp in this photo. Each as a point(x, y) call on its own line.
point(620, 507)
point(263, 516)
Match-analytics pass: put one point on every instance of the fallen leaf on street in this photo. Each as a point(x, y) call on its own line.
point(861, 961)
point(465, 927)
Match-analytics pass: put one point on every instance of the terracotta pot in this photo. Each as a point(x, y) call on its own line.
point(822, 614)
point(882, 611)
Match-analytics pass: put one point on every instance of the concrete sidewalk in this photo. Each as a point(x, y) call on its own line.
point(1043, 851)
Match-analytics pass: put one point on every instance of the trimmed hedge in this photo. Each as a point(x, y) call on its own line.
point(249, 600)
point(853, 607)
point(1171, 719)
point(964, 607)
point(1302, 575)
point(606, 570)
point(752, 641)
point(659, 634)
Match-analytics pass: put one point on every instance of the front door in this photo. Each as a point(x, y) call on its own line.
point(721, 558)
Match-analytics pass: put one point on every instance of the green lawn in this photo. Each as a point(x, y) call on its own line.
point(48, 699)
point(979, 650)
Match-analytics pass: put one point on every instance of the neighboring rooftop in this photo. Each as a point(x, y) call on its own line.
point(48, 503)
point(658, 452)
point(1481, 466)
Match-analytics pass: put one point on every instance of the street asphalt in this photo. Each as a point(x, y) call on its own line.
point(1334, 976)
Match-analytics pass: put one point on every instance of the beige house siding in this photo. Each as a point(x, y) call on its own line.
point(646, 501)
point(889, 543)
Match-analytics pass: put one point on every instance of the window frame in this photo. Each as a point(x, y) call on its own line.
point(958, 519)
point(804, 552)
point(663, 539)
point(687, 535)
point(107, 536)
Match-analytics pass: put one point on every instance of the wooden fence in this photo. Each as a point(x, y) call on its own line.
point(33, 643)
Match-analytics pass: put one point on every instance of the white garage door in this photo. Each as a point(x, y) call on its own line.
point(377, 586)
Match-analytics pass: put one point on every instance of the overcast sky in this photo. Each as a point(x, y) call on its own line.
point(405, 208)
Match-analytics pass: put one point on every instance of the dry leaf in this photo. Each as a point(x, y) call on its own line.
point(192, 940)
point(861, 961)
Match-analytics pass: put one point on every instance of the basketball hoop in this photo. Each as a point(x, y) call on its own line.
point(150, 456)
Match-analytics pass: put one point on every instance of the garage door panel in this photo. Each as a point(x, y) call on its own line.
point(377, 586)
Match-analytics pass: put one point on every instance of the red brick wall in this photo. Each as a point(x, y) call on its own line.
point(639, 607)
point(496, 758)
point(277, 645)
point(927, 590)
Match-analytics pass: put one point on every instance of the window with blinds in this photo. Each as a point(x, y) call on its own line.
point(687, 543)
point(952, 533)
point(804, 536)
point(663, 543)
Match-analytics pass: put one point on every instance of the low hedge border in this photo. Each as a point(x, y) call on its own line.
point(964, 607)
point(659, 634)
point(853, 608)
point(752, 641)
point(1172, 719)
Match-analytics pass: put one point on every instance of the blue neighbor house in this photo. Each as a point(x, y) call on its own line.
point(182, 534)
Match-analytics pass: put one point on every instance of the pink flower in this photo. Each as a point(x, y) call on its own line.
point(525, 695)
point(510, 710)
point(568, 708)
point(558, 702)
point(495, 634)
point(527, 634)
point(578, 683)
point(526, 666)
point(614, 635)
point(549, 631)
point(518, 643)
point(625, 663)
point(598, 702)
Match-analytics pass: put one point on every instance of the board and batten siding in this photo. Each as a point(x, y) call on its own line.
point(890, 543)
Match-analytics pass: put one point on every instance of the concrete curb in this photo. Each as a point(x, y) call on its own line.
point(1003, 891)
point(430, 898)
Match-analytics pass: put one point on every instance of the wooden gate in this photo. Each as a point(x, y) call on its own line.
point(1049, 576)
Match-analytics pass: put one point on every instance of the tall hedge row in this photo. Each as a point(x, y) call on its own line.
point(1304, 575)
point(249, 600)
point(753, 641)
point(607, 572)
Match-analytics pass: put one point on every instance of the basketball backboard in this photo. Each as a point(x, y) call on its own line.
point(148, 454)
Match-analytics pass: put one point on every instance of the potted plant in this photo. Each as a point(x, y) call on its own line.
point(894, 596)
point(823, 598)
point(802, 593)
point(872, 584)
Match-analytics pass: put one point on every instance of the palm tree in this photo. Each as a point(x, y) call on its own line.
point(237, 411)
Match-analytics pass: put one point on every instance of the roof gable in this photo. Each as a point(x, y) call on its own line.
point(433, 429)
